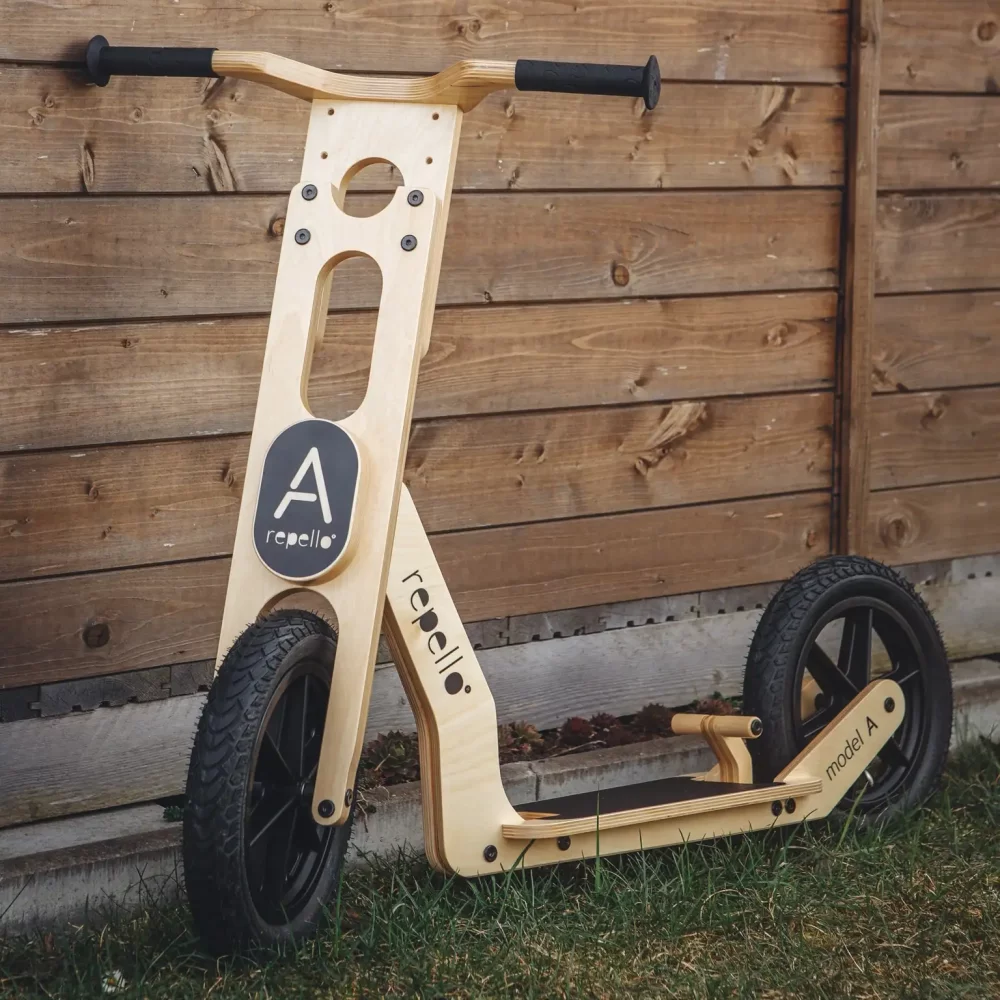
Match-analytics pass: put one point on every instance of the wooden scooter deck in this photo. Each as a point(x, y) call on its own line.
point(647, 802)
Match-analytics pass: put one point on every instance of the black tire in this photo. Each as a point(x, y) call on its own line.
point(261, 726)
point(787, 650)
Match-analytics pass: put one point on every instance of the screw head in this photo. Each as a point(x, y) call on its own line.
point(789, 805)
point(776, 808)
point(889, 704)
point(408, 242)
point(325, 808)
point(309, 192)
point(490, 854)
point(563, 843)
point(415, 198)
point(302, 237)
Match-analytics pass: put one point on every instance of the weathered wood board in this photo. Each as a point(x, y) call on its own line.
point(128, 619)
point(935, 522)
point(952, 46)
point(694, 39)
point(106, 258)
point(71, 511)
point(935, 437)
point(84, 385)
point(936, 341)
point(938, 242)
point(187, 136)
point(930, 141)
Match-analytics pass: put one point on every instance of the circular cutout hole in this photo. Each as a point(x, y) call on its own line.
point(430, 159)
point(370, 188)
point(435, 116)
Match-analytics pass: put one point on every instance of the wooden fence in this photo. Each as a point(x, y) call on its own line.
point(657, 340)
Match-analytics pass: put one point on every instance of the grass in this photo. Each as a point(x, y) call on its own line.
point(909, 911)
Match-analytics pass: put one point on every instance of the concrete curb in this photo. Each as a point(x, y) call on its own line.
point(94, 866)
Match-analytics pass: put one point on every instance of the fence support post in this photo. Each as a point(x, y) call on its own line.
point(858, 277)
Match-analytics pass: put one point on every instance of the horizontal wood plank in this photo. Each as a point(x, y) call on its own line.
point(155, 135)
point(935, 437)
point(928, 142)
point(78, 626)
point(929, 45)
point(938, 242)
point(935, 522)
point(105, 258)
point(75, 511)
point(71, 386)
point(936, 341)
point(694, 39)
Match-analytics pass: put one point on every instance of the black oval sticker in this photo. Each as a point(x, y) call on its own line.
point(308, 487)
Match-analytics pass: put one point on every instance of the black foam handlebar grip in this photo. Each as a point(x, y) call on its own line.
point(105, 61)
point(590, 78)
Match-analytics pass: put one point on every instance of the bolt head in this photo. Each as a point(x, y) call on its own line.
point(490, 854)
point(348, 798)
point(309, 192)
point(415, 198)
point(756, 727)
point(789, 805)
point(889, 704)
point(302, 237)
point(408, 242)
point(563, 843)
point(776, 808)
point(326, 809)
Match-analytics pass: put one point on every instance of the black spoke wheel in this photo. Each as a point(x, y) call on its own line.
point(832, 629)
point(258, 869)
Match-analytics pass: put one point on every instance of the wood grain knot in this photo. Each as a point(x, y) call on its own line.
point(96, 634)
point(276, 227)
point(896, 530)
point(679, 421)
point(936, 409)
point(619, 274)
point(986, 31)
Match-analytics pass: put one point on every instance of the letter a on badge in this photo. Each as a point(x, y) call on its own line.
point(311, 461)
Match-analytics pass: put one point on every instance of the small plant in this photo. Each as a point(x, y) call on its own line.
point(716, 705)
point(653, 719)
point(576, 732)
point(518, 740)
point(390, 759)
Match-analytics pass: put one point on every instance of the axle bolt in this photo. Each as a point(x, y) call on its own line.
point(490, 854)
point(756, 727)
point(408, 242)
point(889, 704)
point(415, 198)
point(348, 798)
point(790, 805)
point(563, 843)
point(302, 237)
point(776, 808)
point(326, 809)
point(309, 192)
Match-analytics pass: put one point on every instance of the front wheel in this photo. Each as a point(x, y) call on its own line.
point(832, 629)
point(258, 870)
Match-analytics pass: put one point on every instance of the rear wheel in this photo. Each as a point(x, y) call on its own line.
point(833, 628)
point(258, 869)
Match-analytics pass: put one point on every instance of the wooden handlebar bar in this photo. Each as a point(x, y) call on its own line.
point(747, 727)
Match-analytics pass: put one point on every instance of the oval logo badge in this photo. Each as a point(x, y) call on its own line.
point(305, 503)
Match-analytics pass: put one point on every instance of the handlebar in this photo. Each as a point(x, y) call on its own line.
point(465, 83)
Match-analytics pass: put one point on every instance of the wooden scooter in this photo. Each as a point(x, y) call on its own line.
point(272, 778)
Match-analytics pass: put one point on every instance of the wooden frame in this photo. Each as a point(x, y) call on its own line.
point(379, 556)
